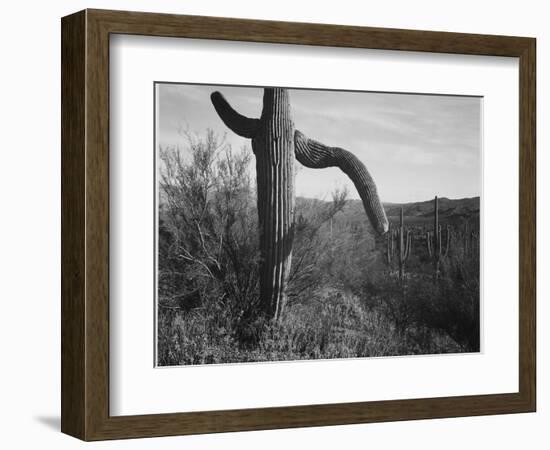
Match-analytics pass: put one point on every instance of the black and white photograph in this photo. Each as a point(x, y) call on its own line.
point(303, 224)
point(275, 225)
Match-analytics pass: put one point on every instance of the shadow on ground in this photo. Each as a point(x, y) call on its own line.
point(51, 422)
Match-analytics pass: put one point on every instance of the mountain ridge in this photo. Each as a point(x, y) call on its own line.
point(450, 210)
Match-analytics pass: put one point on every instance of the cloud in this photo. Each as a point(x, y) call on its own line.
point(414, 145)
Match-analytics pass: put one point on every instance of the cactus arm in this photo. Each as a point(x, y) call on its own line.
point(439, 242)
point(239, 124)
point(389, 247)
point(428, 241)
point(437, 235)
point(404, 237)
point(315, 155)
point(408, 245)
point(448, 242)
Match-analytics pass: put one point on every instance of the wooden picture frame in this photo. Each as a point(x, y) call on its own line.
point(85, 224)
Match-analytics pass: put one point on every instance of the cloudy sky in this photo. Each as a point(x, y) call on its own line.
point(414, 146)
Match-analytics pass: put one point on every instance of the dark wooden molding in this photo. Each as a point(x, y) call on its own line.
point(527, 223)
point(73, 226)
point(85, 224)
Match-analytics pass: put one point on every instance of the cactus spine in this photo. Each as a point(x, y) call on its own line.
point(404, 240)
point(434, 241)
point(276, 143)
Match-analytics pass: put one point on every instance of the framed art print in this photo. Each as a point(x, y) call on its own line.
point(268, 224)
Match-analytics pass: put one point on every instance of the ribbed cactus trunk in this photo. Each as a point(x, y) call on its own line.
point(404, 246)
point(404, 243)
point(276, 144)
point(273, 146)
point(435, 242)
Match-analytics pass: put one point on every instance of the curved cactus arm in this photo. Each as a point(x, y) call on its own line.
point(315, 155)
point(239, 124)
point(429, 243)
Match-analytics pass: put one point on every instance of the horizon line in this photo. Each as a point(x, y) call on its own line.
point(398, 202)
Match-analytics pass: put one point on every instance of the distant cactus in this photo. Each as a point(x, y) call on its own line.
point(474, 242)
point(434, 242)
point(471, 241)
point(404, 241)
point(276, 144)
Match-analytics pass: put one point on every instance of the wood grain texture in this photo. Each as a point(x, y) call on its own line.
point(85, 224)
point(73, 109)
point(97, 225)
point(171, 25)
point(527, 224)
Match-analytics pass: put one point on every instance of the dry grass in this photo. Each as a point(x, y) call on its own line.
point(330, 325)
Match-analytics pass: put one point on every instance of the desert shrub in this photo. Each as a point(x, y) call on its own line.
point(459, 293)
point(208, 254)
point(343, 300)
point(208, 257)
point(313, 241)
point(194, 337)
point(331, 325)
point(409, 306)
point(420, 306)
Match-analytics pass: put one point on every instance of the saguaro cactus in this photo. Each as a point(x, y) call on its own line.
point(276, 143)
point(404, 240)
point(434, 241)
point(470, 241)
